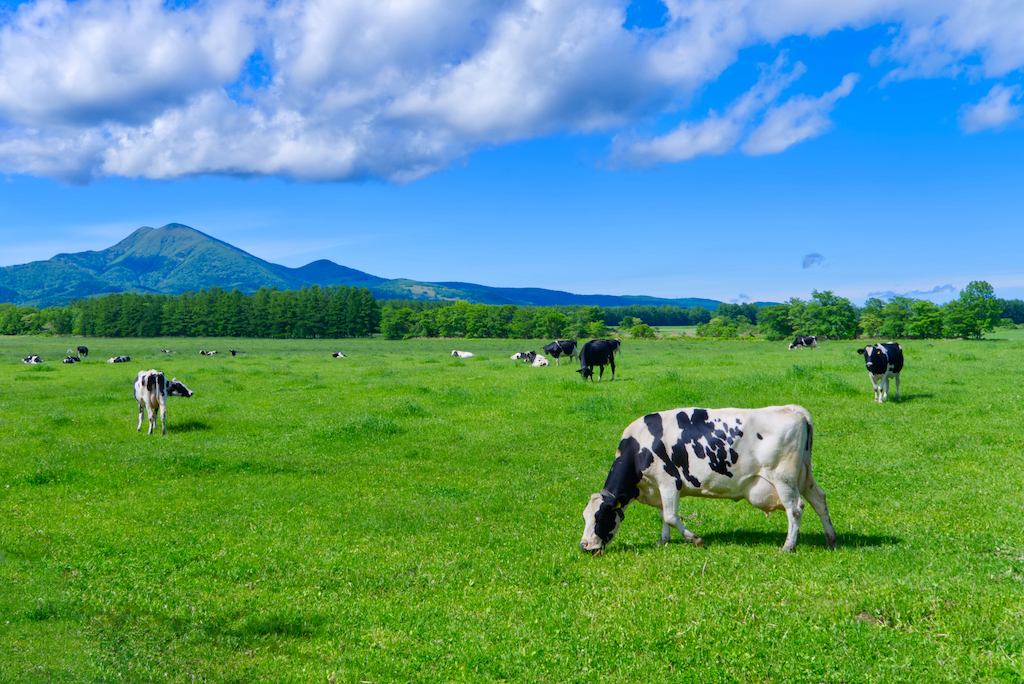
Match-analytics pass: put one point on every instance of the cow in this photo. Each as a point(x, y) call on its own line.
point(517, 356)
point(33, 359)
point(119, 359)
point(71, 359)
point(463, 355)
point(83, 351)
point(339, 355)
point(561, 348)
point(598, 353)
point(151, 392)
point(206, 353)
point(883, 361)
point(805, 341)
point(168, 351)
point(535, 360)
point(235, 352)
point(762, 455)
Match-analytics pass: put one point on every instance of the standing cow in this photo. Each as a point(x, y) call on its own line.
point(598, 353)
point(805, 341)
point(83, 351)
point(883, 361)
point(761, 455)
point(561, 348)
point(151, 392)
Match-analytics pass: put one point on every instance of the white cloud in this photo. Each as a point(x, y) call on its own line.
point(994, 110)
point(398, 90)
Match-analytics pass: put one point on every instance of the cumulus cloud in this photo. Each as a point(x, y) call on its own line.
point(322, 90)
point(812, 259)
point(995, 110)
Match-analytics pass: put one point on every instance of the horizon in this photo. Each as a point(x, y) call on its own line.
point(681, 151)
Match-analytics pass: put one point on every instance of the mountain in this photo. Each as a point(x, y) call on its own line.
point(177, 258)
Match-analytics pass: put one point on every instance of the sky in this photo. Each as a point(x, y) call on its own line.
point(742, 150)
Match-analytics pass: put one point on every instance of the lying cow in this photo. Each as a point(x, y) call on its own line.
point(536, 360)
point(598, 353)
point(168, 351)
point(151, 392)
point(235, 352)
point(206, 353)
point(33, 359)
point(761, 455)
point(518, 355)
point(339, 355)
point(71, 359)
point(561, 348)
point(883, 361)
point(463, 355)
point(805, 341)
point(119, 359)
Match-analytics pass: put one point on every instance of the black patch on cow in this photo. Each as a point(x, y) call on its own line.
point(759, 435)
point(606, 517)
point(626, 471)
point(707, 441)
point(657, 429)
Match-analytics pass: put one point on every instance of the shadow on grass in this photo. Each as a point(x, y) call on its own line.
point(911, 397)
point(188, 426)
point(767, 539)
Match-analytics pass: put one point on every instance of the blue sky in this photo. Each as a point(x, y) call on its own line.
point(736, 151)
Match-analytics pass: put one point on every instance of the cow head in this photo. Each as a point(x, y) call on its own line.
point(601, 520)
point(586, 372)
point(175, 388)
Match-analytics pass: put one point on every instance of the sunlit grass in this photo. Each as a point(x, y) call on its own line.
point(401, 515)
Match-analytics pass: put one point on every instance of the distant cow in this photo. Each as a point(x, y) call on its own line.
point(71, 359)
point(536, 360)
point(151, 392)
point(761, 455)
point(206, 353)
point(339, 355)
point(168, 351)
point(33, 359)
point(562, 348)
point(463, 355)
point(235, 351)
point(119, 359)
point(518, 355)
point(83, 351)
point(805, 341)
point(598, 353)
point(883, 361)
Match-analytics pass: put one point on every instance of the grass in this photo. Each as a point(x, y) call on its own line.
point(401, 515)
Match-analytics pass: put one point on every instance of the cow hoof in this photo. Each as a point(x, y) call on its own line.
point(699, 543)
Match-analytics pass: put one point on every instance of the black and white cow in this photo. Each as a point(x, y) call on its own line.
point(761, 455)
point(536, 360)
point(168, 351)
point(119, 359)
point(463, 354)
point(805, 341)
point(598, 353)
point(151, 392)
point(339, 355)
point(71, 359)
point(33, 359)
point(883, 361)
point(206, 353)
point(561, 348)
point(83, 351)
point(518, 355)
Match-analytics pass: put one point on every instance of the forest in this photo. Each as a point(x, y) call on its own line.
point(340, 312)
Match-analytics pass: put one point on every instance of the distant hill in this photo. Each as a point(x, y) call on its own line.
point(176, 258)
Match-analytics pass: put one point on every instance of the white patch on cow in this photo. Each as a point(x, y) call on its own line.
point(463, 354)
point(539, 361)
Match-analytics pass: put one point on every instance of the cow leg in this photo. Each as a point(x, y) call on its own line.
point(152, 418)
point(794, 505)
point(885, 387)
point(601, 374)
point(670, 518)
point(815, 496)
point(876, 386)
point(139, 429)
point(163, 419)
point(611, 361)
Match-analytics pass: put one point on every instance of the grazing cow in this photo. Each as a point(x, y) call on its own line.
point(463, 355)
point(151, 392)
point(339, 355)
point(562, 348)
point(598, 353)
point(805, 341)
point(761, 455)
point(71, 359)
point(206, 353)
point(83, 351)
point(883, 361)
point(33, 359)
point(119, 359)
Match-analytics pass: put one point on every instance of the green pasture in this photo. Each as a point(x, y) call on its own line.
point(403, 516)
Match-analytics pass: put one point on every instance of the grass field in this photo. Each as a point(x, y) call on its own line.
point(403, 516)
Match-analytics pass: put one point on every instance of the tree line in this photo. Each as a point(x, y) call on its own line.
point(339, 311)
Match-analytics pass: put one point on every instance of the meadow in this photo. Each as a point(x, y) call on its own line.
point(402, 516)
